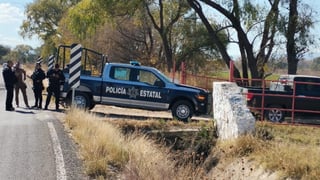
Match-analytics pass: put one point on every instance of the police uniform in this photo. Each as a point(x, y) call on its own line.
point(37, 77)
point(9, 79)
point(56, 78)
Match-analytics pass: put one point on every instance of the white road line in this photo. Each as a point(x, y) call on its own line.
point(61, 171)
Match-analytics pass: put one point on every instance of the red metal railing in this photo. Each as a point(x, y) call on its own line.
point(293, 109)
point(206, 82)
point(201, 81)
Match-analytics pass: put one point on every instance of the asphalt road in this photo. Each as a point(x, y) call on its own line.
point(34, 145)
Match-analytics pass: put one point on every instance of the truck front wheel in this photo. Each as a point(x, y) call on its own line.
point(182, 110)
point(275, 114)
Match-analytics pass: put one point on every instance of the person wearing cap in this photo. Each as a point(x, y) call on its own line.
point(20, 85)
point(37, 77)
point(9, 80)
point(56, 78)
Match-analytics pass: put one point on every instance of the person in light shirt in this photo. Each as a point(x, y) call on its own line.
point(20, 85)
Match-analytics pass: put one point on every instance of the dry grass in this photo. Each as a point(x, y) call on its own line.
point(101, 145)
point(109, 154)
point(242, 146)
point(293, 151)
point(292, 160)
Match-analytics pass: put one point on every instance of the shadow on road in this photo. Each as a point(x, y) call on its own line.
point(24, 111)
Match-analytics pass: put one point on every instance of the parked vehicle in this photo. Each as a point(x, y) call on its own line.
point(298, 93)
point(135, 86)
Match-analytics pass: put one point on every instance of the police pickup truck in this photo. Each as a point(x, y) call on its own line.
point(135, 86)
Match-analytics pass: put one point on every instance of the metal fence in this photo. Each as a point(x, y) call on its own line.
point(300, 108)
point(304, 108)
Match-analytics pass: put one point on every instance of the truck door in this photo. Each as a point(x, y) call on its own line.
point(152, 90)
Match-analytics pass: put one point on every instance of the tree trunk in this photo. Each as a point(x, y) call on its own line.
point(291, 45)
point(164, 31)
point(292, 66)
point(168, 53)
point(244, 63)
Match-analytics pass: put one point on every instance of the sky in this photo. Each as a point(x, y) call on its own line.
point(12, 15)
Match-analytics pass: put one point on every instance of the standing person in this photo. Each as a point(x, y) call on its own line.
point(56, 78)
point(9, 79)
point(37, 77)
point(20, 85)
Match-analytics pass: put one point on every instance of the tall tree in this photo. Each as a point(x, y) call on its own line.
point(252, 16)
point(43, 18)
point(164, 15)
point(296, 28)
point(188, 39)
point(83, 19)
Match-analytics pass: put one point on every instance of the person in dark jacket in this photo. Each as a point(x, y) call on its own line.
point(37, 77)
point(9, 79)
point(56, 78)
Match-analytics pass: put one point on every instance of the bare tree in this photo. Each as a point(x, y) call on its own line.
point(235, 15)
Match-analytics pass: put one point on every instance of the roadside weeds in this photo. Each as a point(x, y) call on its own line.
point(284, 151)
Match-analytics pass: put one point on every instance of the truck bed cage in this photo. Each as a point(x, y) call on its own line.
point(92, 62)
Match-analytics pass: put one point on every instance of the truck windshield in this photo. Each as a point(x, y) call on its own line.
point(163, 77)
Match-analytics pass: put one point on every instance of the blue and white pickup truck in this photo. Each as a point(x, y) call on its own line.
point(135, 86)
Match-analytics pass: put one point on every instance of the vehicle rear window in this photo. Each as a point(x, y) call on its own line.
point(120, 73)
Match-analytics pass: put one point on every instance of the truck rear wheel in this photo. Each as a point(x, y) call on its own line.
point(275, 114)
point(182, 110)
point(81, 100)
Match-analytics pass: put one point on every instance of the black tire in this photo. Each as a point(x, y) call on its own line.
point(82, 101)
point(275, 114)
point(182, 110)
